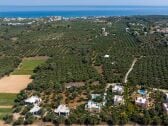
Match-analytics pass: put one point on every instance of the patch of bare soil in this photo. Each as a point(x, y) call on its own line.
point(74, 84)
point(37, 58)
point(14, 39)
point(3, 124)
point(9, 106)
point(76, 102)
point(14, 83)
point(99, 69)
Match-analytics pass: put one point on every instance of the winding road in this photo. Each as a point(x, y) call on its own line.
point(131, 68)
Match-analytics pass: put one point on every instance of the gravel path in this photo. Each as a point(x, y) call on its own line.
point(129, 71)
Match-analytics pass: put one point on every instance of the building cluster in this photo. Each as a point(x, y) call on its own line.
point(35, 101)
point(160, 29)
point(118, 97)
point(142, 99)
point(61, 110)
point(97, 101)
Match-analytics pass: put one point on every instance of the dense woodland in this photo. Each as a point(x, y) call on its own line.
point(76, 47)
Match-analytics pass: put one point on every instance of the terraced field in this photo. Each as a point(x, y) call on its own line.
point(6, 103)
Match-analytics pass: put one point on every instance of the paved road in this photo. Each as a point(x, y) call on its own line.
point(162, 90)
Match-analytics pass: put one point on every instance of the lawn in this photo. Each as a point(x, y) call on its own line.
point(7, 99)
point(27, 66)
point(4, 111)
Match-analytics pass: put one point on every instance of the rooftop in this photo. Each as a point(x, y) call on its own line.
point(165, 106)
point(33, 99)
point(106, 56)
point(141, 100)
point(92, 104)
point(118, 88)
point(62, 109)
point(118, 98)
point(36, 108)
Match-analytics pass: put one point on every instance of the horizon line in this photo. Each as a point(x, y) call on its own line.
point(90, 5)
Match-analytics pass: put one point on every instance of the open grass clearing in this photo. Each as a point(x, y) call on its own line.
point(7, 99)
point(4, 111)
point(27, 65)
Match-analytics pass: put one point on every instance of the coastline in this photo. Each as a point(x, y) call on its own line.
point(80, 11)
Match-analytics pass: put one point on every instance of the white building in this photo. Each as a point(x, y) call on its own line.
point(33, 100)
point(118, 100)
point(140, 101)
point(35, 109)
point(62, 110)
point(106, 56)
point(165, 107)
point(103, 30)
point(127, 29)
point(118, 89)
point(166, 96)
point(93, 106)
point(105, 34)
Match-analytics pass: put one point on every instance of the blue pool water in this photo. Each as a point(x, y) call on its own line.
point(79, 11)
point(142, 91)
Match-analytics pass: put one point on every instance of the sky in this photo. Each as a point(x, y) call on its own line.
point(85, 2)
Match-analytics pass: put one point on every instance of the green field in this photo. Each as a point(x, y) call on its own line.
point(7, 99)
point(4, 111)
point(27, 66)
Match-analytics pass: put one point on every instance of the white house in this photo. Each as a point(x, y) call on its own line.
point(33, 100)
point(165, 107)
point(118, 100)
point(62, 110)
point(127, 29)
point(35, 109)
point(103, 30)
point(93, 106)
point(105, 34)
point(118, 89)
point(106, 56)
point(140, 101)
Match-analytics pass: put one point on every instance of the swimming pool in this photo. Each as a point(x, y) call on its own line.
point(142, 91)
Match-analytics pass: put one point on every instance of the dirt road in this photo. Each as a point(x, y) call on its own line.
point(129, 71)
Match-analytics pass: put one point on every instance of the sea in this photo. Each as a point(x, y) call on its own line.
point(80, 11)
